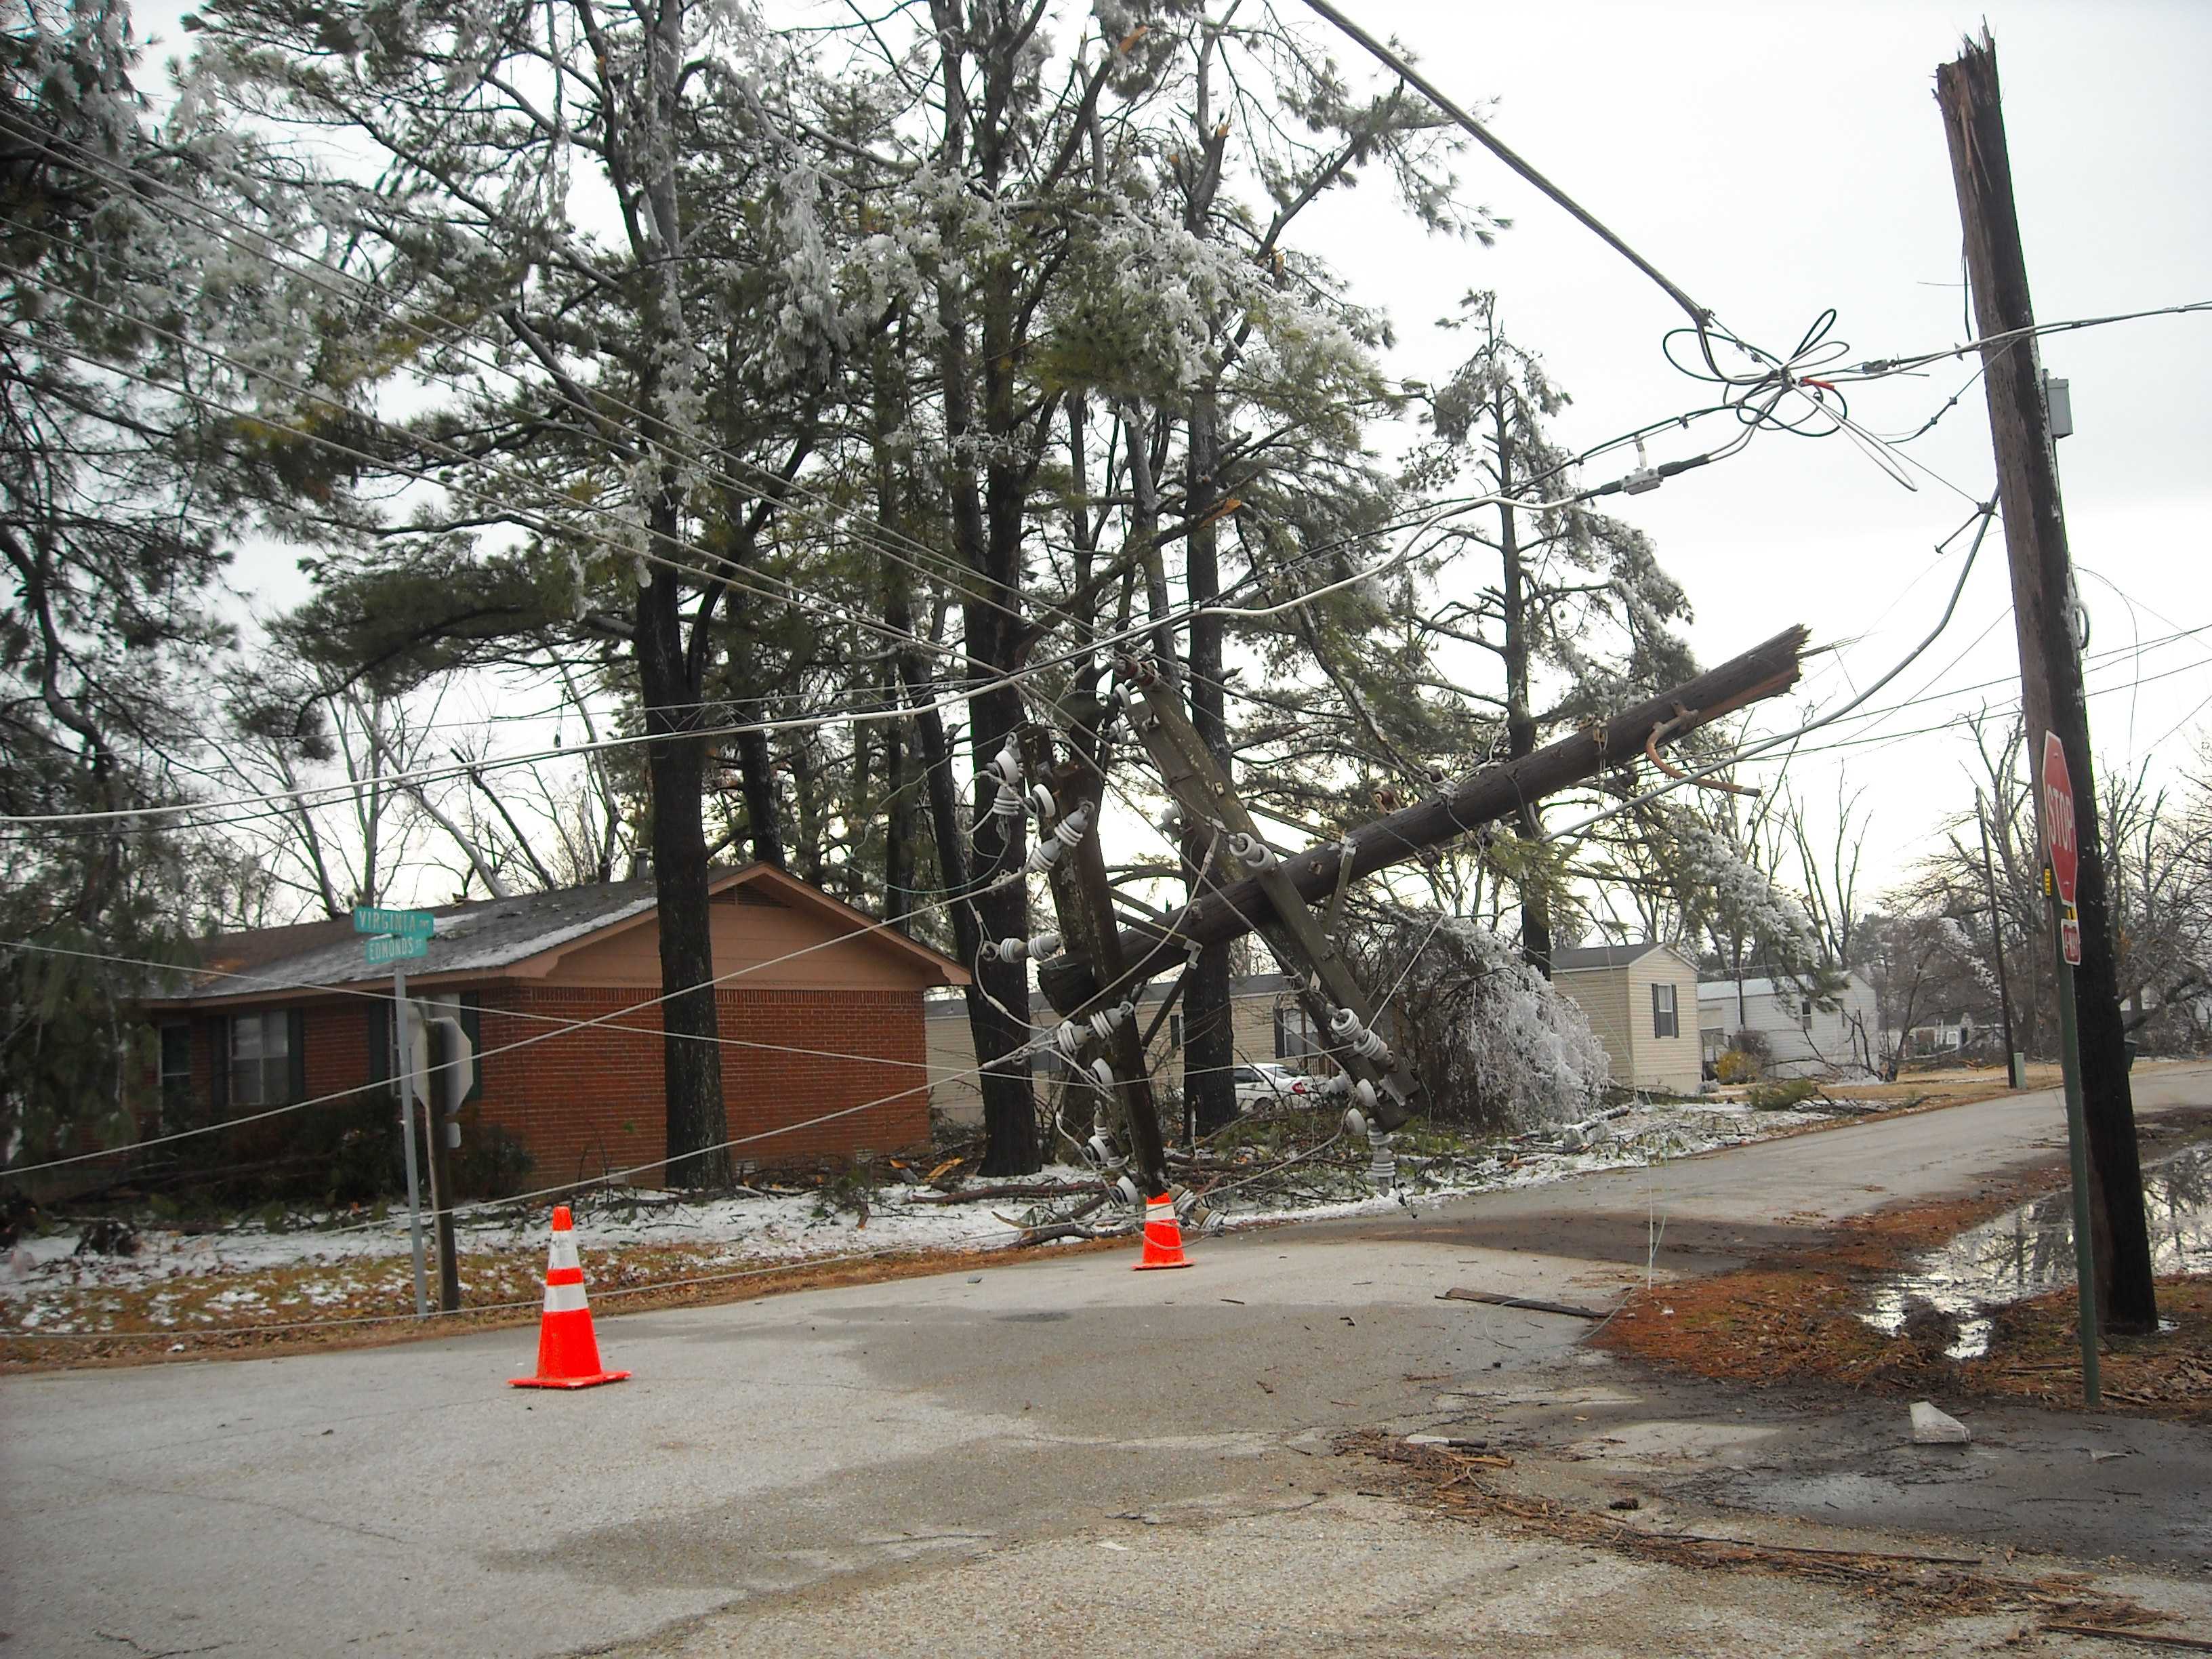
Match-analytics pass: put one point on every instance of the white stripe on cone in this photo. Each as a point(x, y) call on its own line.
point(564, 1298)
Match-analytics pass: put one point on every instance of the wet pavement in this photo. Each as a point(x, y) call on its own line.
point(2029, 1251)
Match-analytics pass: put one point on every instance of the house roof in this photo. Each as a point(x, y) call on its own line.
point(1583, 958)
point(519, 936)
point(1723, 990)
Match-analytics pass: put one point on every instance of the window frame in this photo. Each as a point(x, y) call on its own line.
point(1666, 1009)
point(277, 1073)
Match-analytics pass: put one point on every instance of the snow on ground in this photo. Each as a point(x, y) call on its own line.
point(334, 1259)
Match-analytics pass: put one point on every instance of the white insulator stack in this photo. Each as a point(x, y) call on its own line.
point(1103, 1023)
point(1345, 1027)
point(1067, 833)
point(1382, 1159)
point(1251, 850)
point(1037, 948)
point(1006, 770)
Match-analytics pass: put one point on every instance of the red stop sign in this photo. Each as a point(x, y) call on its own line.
point(2059, 842)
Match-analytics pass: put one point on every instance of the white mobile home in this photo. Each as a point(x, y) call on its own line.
point(1640, 1002)
point(1802, 1040)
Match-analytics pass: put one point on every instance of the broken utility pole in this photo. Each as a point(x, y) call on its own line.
point(1327, 989)
point(1082, 899)
point(1154, 947)
point(2052, 697)
point(1092, 976)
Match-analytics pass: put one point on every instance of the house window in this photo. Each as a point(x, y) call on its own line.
point(264, 1056)
point(1805, 1016)
point(1666, 1021)
point(176, 1071)
point(1175, 1034)
point(1295, 1036)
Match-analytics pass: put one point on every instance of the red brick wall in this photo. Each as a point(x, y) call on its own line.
point(585, 1103)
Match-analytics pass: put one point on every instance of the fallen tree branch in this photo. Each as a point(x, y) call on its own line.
point(1494, 793)
point(2192, 1642)
point(1012, 1189)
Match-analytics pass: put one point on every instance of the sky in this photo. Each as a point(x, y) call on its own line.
point(1775, 161)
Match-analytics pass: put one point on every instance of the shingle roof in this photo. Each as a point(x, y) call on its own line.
point(479, 938)
point(1602, 956)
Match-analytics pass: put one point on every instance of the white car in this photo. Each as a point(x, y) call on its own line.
point(1261, 1084)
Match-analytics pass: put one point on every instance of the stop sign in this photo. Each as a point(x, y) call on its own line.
point(2059, 842)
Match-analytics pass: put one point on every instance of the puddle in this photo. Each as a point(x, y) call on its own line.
point(2031, 1251)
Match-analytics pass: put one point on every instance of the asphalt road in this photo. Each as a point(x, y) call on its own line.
point(1059, 1456)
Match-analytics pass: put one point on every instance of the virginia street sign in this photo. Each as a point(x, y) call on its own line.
point(406, 924)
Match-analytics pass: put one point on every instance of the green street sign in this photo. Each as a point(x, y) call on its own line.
point(387, 947)
point(407, 924)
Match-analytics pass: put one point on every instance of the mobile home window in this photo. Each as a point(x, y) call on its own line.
point(1665, 1022)
point(1295, 1036)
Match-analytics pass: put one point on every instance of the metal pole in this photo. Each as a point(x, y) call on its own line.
point(403, 1065)
point(2077, 1152)
point(438, 1128)
point(2013, 1076)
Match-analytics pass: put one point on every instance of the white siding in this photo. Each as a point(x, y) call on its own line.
point(1834, 1041)
point(1673, 1063)
point(1616, 1002)
point(1603, 995)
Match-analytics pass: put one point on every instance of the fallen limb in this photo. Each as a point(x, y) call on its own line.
point(1012, 1189)
point(1058, 1229)
point(2116, 1632)
point(1533, 1304)
point(1808, 1549)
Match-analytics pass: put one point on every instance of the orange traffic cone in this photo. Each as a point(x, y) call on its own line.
point(568, 1350)
point(1163, 1236)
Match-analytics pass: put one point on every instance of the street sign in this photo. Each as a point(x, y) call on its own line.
point(383, 947)
point(405, 924)
point(2059, 841)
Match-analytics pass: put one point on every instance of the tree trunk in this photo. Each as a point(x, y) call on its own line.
point(1520, 716)
point(676, 764)
point(1209, 1030)
point(757, 771)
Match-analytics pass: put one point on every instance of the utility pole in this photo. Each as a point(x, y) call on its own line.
point(2013, 1076)
point(1090, 977)
point(444, 1132)
point(2052, 699)
point(403, 1078)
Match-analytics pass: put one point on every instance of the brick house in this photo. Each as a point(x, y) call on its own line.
point(285, 1014)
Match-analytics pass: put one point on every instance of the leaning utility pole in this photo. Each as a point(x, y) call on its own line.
point(2050, 670)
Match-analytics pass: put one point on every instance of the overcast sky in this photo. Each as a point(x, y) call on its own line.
point(1775, 161)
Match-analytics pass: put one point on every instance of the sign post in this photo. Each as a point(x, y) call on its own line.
point(2063, 850)
point(397, 936)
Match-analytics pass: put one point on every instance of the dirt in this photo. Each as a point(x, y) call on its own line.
point(1798, 1314)
point(1472, 1486)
